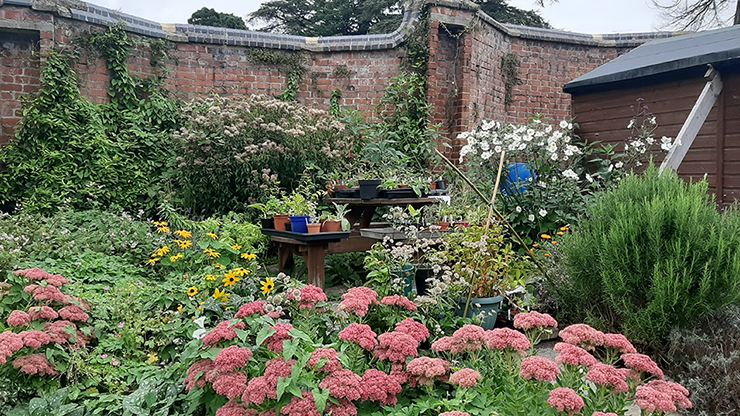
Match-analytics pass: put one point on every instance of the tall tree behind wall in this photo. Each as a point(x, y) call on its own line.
point(210, 17)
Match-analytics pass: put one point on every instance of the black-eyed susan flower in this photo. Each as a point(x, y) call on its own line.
point(248, 257)
point(219, 266)
point(163, 230)
point(211, 253)
point(545, 236)
point(161, 252)
point(211, 278)
point(219, 294)
point(183, 234)
point(267, 286)
point(160, 224)
point(154, 260)
point(213, 236)
point(236, 247)
point(176, 257)
point(192, 291)
point(179, 308)
point(152, 357)
point(231, 278)
point(184, 244)
point(225, 297)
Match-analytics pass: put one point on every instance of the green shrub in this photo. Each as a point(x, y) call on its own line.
point(236, 150)
point(651, 255)
point(706, 360)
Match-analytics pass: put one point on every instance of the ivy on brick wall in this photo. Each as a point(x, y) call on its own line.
point(293, 63)
point(510, 65)
point(72, 153)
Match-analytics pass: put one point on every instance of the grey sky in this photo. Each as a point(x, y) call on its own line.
point(584, 16)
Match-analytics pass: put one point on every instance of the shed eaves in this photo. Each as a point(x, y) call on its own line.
point(665, 55)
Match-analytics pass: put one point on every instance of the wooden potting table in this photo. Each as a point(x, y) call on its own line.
point(314, 247)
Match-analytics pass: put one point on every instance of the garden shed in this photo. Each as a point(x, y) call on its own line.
point(673, 77)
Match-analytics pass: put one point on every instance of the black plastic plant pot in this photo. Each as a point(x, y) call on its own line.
point(442, 185)
point(369, 189)
point(267, 223)
point(422, 274)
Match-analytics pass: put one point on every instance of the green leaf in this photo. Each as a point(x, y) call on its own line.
point(264, 333)
point(282, 384)
point(289, 348)
point(320, 397)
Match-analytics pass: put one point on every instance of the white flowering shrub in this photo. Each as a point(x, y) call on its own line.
point(236, 149)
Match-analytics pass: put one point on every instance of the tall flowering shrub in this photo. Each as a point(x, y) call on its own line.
point(235, 149)
point(254, 365)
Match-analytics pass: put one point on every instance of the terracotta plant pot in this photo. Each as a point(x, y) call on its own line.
point(444, 226)
point(314, 228)
point(331, 227)
point(280, 221)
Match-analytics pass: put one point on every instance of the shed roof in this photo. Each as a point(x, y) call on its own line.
point(665, 55)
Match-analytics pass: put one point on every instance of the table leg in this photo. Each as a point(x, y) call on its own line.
point(285, 257)
point(314, 257)
point(367, 217)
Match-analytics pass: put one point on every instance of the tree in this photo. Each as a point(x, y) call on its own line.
point(210, 17)
point(697, 14)
point(359, 17)
point(504, 13)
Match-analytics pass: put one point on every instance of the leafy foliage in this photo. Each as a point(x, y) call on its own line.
point(652, 255)
point(210, 17)
point(236, 150)
point(505, 13)
point(328, 17)
point(70, 152)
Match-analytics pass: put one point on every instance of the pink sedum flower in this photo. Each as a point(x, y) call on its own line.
point(250, 309)
point(231, 385)
point(396, 347)
point(74, 313)
point(35, 364)
point(42, 312)
point(10, 342)
point(225, 331)
point(417, 330)
point(678, 393)
point(324, 360)
point(343, 408)
point(608, 376)
point(620, 343)
point(503, 338)
point(642, 363)
point(305, 406)
point(35, 339)
point(583, 336)
point(454, 413)
point(360, 334)
point(58, 331)
point(18, 318)
point(310, 296)
point(539, 368)
point(198, 371)
point(534, 319)
point(275, 341)
point(566, 400)
point(379, 387)
point(604, 414)
point(466, 378)
point(32, 274)
point(233, 408)
point(232, 358)
point(358, 300)
point(427, 370)
point(258, 390)
point(343, 384)
point(399, 301)
point(573, 355)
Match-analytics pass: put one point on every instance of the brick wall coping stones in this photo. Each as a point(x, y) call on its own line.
point(88, 12)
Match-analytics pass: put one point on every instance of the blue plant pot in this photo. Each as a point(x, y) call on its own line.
point(299, 223)
point(490, 306)
point(406, 273)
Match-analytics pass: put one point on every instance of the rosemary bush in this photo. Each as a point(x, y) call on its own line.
point(652, 255)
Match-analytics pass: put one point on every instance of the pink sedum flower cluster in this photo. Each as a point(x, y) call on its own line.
point(573, 355)
point(233, 408)
point(324, 360)
point(503, 338)
point(380, 387)
point(396, 347)
point(662, 396)
point(19, 318)
point(566, 400)
point(225, 331)
point(399, 301)
point(10, 342)
point(35, 364)
point(417, 330)
point(583, 336)
point(310, 296)
point(231, 359)
point(539, 368)
point(642, 363)
point(534, 319)
point(360, 334)
point(620, 343)
point(426, 370)
point(42, 313)
point(250, 309)
point(343, 384)
point(358, 300)
point(466, 378)
point(301, 406)
point(608, 376)
point(275, 341)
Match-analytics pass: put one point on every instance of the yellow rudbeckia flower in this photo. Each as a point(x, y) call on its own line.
point(236, 247)
point(267, 286)
point(248, 257)
point(218, 294)
point(183, 234)
point(230, 278)
point(213, 236)
point(192, 291)
point(211, 253)
point(162, 252)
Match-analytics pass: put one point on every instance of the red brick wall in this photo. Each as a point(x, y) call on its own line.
point(464, 86)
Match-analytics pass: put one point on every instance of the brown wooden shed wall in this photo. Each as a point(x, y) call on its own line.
point(603, 115)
